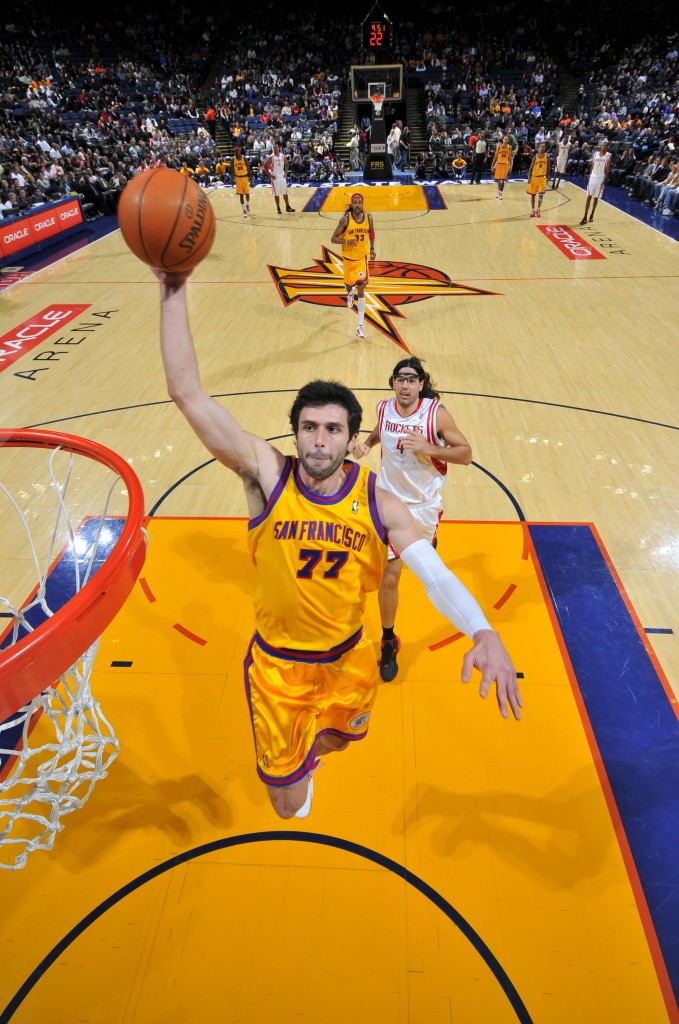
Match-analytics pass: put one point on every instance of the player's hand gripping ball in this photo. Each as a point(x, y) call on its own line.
point(166, 219)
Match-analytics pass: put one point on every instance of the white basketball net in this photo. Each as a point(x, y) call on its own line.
point(66, 744)
point(47, 782)
point(377, 104)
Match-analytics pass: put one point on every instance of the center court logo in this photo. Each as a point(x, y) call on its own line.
point(390, 285)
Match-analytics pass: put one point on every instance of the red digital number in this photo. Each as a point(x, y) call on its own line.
point(376, 34)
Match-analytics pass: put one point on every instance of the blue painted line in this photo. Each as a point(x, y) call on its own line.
point(650, 629)
point(426, 890)
point(618, 198)
point(634, 724)
point(317, 201)
point(435, 201)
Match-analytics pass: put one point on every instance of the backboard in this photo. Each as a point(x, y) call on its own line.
point(376, 79)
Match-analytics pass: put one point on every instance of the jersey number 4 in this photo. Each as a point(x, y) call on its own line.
point(337, 560)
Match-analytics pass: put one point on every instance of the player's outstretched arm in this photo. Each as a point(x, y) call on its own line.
point(452, 599)
point(218, 429)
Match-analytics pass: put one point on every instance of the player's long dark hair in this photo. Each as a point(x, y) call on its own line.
point(318, 393)
point(413, 363)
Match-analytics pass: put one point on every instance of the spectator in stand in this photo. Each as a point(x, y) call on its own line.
point(623, 164)
point(643, 180)
point(421, 168)
point(671, 201)
point(459, 166)
point(201, 173)
point(404, 147)
point(658, 187)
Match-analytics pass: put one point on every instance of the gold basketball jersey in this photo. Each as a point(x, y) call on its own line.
point(540, 166)
point(360, 232)
point(240, 168)
point(317, 557)
point(504, 155)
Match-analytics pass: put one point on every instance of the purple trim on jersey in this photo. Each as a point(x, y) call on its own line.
point(296, 776)
point(247, 662)
point(342, 735)
point(328, 499)
point(324, 657)
point(275, 494)
point(374, 511)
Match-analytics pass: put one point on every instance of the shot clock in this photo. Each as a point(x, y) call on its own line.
point(376, 33)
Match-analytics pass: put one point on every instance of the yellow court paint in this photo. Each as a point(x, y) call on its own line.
point(377, 199)
point(503, 822)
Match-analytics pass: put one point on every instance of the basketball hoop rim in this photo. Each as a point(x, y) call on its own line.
point(38, 659)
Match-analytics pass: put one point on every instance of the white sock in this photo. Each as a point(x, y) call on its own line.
point(304, 810)
point(361, 310)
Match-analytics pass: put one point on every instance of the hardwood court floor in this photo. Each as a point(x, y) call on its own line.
point(562, 374)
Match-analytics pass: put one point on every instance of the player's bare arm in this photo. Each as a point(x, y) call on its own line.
point(361, 448)
point(371, 229)
point(338, 236)
point(256, 461)
point(452, 599)
point(457, 449)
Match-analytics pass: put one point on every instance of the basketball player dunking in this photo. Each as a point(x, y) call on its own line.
point(318, 533)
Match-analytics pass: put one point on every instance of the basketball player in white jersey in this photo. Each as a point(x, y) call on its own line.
point(277, 168)
point(563, 148)
point(598, 172)
point(419, 438)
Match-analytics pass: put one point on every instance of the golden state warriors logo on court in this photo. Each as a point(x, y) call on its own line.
point(390, 285)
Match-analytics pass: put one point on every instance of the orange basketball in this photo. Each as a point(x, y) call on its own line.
point(166, 219)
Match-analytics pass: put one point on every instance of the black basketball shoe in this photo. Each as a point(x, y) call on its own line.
point(388, 665)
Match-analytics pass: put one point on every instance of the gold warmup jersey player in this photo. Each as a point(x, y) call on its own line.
point(319, 529)
point(502, 165)
point(356, 234)
point(242, 173)
point(537, 179)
